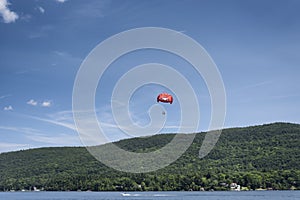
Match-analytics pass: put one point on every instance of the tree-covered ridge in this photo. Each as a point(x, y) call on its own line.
point(266, 156)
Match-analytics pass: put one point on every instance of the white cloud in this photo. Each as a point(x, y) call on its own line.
point(46, 104)
point(7, 108)
point(8, 15)
point(32, 102)
point(41, 9)
point(61, 1)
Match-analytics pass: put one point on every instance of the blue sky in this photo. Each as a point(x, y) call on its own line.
point(255, 45)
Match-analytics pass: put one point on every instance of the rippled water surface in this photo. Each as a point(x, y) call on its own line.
point(252, 195)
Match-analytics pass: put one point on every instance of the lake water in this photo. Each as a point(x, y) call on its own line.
point(251, 195)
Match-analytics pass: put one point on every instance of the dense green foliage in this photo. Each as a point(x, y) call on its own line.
point(266, 156)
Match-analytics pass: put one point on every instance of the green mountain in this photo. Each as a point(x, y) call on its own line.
point(266, 156)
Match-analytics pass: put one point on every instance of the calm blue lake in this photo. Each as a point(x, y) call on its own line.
point(252, 195)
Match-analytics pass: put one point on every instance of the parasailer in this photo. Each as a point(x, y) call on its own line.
point(165, 98)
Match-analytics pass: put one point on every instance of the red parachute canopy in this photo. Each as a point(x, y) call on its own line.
point(165, 98)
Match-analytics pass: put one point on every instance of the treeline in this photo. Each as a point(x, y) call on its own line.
point(275, 180)
point(266, 157)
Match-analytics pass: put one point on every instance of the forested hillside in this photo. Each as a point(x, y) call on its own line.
point(266, 156)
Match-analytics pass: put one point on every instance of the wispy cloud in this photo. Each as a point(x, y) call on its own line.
point(67, 56)
point(61, 1)
point(8, 108)
point(256, 85)
point(41, 31)
point(90, 134)
point(285, 96)
point(66, 123)
point(5, 96)
point(61, 53)
point(7, 15)
point(26, 17)
point(89, 130)
point(252, 86)
point(89, 10)
point(19, 129)
point(58, 139)
point(8, 128)
point(6, 147)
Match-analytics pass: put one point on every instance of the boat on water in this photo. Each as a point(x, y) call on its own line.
point(125, 194)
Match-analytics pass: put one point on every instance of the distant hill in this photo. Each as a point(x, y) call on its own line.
point(266, 156)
